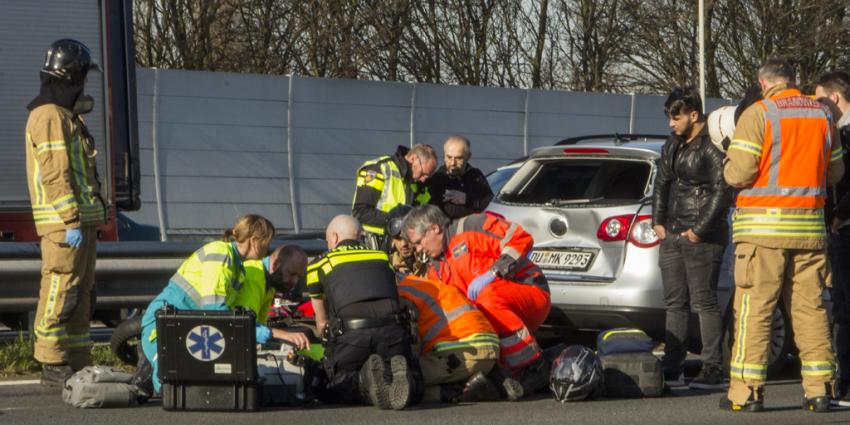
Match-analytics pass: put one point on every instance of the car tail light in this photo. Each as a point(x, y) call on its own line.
point(621, 228)
point(585, 151)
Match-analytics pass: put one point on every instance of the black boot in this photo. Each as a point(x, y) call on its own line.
point(451, 393)
point(535, 376)
point(55, 375)
point(822, 403)
point(479, 388)
point(505, 384)
point(401, 389)
point(143, 380)
point(372, 383)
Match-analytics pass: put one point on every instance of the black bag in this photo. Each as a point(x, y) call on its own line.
point(623, 340)
point(207, 359)
point(632, 375)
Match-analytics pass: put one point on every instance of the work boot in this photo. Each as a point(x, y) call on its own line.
point(401, 388)
point(451, 393)
point(818, 404)
point(711, 377)
point(372, 382)
point(535, 376)
point(505, 384)
point(479, 388)
point(755, 402)
point(55, 375)
point(143, 381)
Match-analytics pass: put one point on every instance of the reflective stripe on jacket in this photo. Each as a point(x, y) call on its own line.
point(446, 319)
point(391, 183)
point(61, 174)
point(783, 152)
point(212, 275)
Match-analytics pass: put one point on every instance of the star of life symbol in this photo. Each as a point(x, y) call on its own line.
point(205, 343)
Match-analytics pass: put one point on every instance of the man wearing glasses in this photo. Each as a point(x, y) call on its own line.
point(388, 182)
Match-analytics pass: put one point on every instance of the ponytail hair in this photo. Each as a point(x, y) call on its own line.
point(250, 226)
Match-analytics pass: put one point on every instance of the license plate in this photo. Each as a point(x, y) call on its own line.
point(562, 259)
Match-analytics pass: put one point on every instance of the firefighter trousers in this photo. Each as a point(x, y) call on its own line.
point(66, 300)
point(762, 275)
point(515, 310)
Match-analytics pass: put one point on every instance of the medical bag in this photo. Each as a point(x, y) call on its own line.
point(207, 359)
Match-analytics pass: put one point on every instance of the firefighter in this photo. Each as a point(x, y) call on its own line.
point(486, 258)
point(784, 153)
point(387, 182)
point(67, 207)
point(353, 291)
point(225, 274)
point(457, 344)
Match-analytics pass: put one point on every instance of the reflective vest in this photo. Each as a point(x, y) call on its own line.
point(394, 190)
point(256, 295)
point(212, 276)
point(447, 320)
point(794, 159)
point(61, 174)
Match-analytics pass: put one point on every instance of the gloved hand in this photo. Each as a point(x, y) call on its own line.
point(73, 237)
point(477, 285)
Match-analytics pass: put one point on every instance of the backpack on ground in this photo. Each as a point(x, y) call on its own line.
point(100, 386)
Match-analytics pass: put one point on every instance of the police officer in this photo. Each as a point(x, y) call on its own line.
point(67, 207)
point(354, 294)
point(784, 153)
point(387, 182)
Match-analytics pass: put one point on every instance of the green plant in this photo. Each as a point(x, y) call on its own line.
point(16, 357)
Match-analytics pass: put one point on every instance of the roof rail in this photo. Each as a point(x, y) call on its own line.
point(617, 137)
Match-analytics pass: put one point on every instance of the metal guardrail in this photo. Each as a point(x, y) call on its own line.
point(128, 274)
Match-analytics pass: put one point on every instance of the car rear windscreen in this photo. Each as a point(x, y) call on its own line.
point(582, 181)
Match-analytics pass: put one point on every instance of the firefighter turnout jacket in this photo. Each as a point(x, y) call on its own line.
point(382, 184)
point(446, 319)
point(785, 151)
point(61, 175)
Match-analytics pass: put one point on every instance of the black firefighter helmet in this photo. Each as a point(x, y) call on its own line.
point(576, 375)
point(69, 60)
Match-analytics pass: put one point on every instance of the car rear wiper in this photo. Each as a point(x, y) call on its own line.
point(558, 202)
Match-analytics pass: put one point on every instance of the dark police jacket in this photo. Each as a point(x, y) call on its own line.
point(355, 282)
point(471, 181)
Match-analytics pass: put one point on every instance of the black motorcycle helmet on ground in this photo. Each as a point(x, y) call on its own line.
point(576, 375)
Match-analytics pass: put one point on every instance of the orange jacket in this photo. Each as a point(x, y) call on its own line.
point(447, 320)
point(794, 156)
point(483, 242)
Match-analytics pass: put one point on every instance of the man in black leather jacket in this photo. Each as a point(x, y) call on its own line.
point(689, 207)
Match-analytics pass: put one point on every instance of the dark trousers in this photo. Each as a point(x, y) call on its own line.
point(839, 259)
point(689, 273)
point(345, 355)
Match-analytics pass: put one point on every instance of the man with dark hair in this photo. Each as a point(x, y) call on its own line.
point(783, 155)
point(689, 207)
point(458, 188)
point(835, 86)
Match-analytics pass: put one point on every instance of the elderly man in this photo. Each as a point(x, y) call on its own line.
point(458, 188)
point(387, 182)
point(486, 258)
point(354, 294)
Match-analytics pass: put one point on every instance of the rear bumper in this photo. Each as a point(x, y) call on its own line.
point(595, 318)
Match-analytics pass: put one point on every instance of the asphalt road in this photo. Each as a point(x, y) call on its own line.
point(31, 404)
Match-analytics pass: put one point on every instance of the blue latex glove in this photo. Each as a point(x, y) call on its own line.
point(73, 237)
point(263, 334)
point(477, 285)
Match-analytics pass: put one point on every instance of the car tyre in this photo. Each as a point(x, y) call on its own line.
point(126, 339)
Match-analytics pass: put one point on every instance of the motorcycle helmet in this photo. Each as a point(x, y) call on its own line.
point(576, 375)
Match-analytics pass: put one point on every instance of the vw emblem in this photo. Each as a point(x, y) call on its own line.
point(205, 343)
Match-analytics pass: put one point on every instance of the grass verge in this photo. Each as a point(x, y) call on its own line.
point(16, 357)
